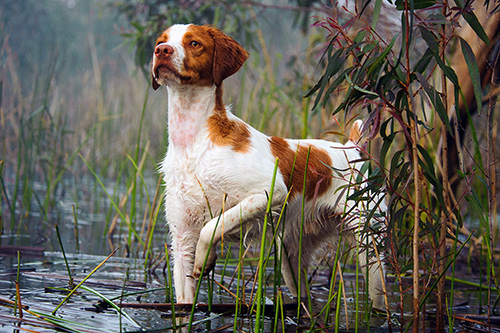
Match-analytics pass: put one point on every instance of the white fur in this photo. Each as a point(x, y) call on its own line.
point(175, 40)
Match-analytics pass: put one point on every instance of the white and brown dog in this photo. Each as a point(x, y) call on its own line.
point(217, 162)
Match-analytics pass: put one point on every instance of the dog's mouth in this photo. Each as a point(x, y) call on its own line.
point(163, 71)
point(167, 72)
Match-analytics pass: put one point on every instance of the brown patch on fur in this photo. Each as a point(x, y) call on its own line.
point(225, 132)
point(319, 175)
point(199, 56)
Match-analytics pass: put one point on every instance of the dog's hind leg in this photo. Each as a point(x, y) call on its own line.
point(290, 258)
point(372, 268)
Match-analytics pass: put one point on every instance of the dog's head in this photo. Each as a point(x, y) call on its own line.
point(195, 55)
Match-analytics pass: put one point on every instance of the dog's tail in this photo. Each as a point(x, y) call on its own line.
point(355, 133)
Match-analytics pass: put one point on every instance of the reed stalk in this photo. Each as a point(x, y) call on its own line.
point(82, 282)
point(136, 158)
point(70, 283)
point(333, 279)
point(153, 218)
point(17, 180)
point(337, 308)
point(238, 279)
point(151, 228)
point(492, 199)
point(111, 223)
point(17, 303)
point(302, 220)
point(408, 16)
point(224, 267)
point(262, 263)
point(2, 196)
point(170, 292)
point(444, 210)
point(75, 224)
point(356, 291)
point(449, 310)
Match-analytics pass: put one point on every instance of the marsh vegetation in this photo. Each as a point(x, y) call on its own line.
point(81, 135)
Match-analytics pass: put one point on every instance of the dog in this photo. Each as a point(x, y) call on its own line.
point(216, 163)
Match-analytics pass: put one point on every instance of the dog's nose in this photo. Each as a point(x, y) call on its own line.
point(163, 50)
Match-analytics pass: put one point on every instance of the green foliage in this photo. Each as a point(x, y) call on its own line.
point(470, 58)
point(415, 4)
point(149, 18)
point(382, 78)
point(236, 18)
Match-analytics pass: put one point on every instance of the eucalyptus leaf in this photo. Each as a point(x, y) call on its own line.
point(470, 59)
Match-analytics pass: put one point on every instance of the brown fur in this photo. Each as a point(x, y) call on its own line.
point(225, 132)
point(228, 56)
point(318, 173)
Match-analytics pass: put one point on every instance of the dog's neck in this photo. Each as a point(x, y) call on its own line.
point(189, 107)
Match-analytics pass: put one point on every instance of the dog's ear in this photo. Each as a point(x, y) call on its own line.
point(153, 80)
point(229, 56)
point(154, 83)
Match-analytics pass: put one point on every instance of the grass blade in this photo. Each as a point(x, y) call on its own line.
point(262, 265)
point(83, 281)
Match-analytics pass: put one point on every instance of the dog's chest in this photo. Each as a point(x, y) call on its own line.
point(202, 179)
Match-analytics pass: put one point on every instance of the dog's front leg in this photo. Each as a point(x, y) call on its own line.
point(229, 222)
point(184, 235)
point(183, 245)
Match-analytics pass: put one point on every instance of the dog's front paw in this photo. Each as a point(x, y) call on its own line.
point(199, 259)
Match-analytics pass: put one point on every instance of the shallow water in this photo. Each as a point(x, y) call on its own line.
point(126, 276)
point(43, 268)
point(117, 276)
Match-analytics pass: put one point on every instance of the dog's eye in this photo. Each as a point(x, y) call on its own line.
point(194, 43)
